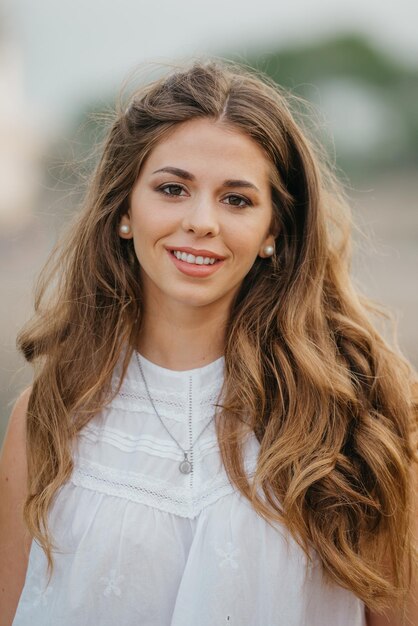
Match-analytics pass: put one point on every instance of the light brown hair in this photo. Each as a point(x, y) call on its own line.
point(306, 369)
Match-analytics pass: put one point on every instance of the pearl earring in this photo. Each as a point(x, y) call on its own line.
point(269, 250)
point(125, 229)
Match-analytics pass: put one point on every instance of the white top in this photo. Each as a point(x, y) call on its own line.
point(140, 543)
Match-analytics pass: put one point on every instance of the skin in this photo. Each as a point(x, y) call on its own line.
point(184, 316)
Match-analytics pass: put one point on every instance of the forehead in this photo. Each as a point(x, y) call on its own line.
point(204, 146)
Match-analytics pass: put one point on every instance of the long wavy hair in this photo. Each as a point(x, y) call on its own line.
point(331, 403)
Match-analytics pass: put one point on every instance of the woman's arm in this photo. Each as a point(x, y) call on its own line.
point(393, 618)
point(14, 538)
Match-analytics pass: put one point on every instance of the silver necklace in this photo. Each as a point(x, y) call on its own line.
point(185, 466)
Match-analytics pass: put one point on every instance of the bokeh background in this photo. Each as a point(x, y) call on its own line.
point(63, 62)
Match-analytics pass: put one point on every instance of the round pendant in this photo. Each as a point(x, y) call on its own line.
point(185, 467)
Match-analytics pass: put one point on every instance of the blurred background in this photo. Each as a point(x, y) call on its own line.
point(61, 62)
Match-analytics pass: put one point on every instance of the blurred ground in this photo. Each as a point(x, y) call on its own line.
point(385, 266)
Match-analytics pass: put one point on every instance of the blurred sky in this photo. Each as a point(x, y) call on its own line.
point(73, 50)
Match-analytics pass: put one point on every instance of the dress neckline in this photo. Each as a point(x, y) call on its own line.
point(204, 376)
point(203, 369)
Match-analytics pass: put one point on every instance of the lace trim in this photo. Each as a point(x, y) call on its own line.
point(172, 405)
point(210, 393)
point(167, 406)
point(205, 393)
point(155, 493)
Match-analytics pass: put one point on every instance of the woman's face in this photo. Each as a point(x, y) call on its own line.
point(202, 193)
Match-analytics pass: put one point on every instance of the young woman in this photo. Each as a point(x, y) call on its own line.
point(216, 432)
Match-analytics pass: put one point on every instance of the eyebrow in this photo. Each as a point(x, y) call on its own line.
point(176, 171)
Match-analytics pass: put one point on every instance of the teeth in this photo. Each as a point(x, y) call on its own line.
point(196, 260)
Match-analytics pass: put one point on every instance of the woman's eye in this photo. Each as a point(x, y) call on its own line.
point(240, 199)
point(163, 188)
point(167, 190)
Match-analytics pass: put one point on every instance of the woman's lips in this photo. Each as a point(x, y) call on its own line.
point(192, 269)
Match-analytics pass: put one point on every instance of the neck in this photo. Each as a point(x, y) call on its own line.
point(181, 337)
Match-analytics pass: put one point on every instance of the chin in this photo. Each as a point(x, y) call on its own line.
point(196, 299)
point(194, 302)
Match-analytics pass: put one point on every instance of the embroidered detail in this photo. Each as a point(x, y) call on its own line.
point(170, 404)
point(210, 396)
point(190, 446)
point(228, 555)
point(165, 402)
point(112, 583)
point(153, 492)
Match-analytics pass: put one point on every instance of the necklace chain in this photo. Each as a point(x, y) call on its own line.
point(185, 466)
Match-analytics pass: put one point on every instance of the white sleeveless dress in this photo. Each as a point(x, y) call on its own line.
point(142, 544)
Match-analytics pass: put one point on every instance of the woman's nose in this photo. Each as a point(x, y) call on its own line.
point(201, 218)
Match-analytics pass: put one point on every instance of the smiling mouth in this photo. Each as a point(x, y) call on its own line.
point(191, 259)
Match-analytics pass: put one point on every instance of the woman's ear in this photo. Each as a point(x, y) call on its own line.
point(268, 247)
point(125, 230)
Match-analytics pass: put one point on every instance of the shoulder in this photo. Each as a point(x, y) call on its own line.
point(17, 420)
point(13, 451)
point(20, 407)
point(15, 540)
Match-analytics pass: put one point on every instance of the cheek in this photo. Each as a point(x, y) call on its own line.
point(245, 239)
point(148, 227)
